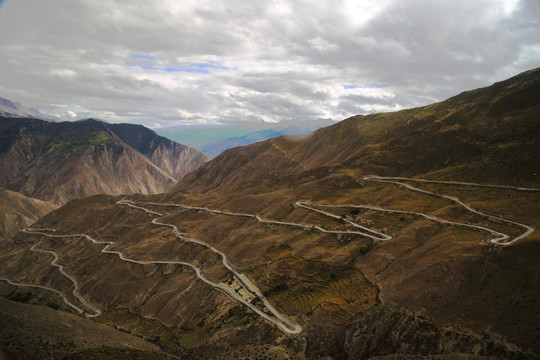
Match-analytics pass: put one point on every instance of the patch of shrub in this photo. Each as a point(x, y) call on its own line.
point(365, 248)
point(20, 297)
point(53, 304)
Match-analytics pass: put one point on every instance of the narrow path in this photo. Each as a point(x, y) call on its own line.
point(450, 183)
point(75, 291)
point(368, 232)
point(64, 297)
point(375, 235)
point(285, 154)
point(499, 236)
point(277, 319)
point(54, 262)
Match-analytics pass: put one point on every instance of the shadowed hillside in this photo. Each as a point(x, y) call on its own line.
point(70, 337)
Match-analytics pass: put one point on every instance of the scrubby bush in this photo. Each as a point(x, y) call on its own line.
point(364, 249)
point(20, 297)
point(53, 304)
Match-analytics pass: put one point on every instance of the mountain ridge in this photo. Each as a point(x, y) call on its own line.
point(60, 161)
point(393, 144)
point(9, 108)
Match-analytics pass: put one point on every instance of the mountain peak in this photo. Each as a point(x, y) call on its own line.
point(61, 161)
point(9, 108)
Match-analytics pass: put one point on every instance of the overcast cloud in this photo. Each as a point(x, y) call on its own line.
point(170, 62)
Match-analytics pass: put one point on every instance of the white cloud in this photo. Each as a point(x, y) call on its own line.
point(202, 61)
point(322, 45)
point(509, 6)
point(359, 13)
point(371, 92)
point(63, 73)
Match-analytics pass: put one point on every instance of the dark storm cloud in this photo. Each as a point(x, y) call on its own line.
point(166, 62)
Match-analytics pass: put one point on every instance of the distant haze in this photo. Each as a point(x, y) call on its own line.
point(201, 62)
point(213, 140)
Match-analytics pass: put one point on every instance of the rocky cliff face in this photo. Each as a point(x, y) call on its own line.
point(61, 161)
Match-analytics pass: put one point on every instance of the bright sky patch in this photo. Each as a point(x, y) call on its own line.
point(255, 61)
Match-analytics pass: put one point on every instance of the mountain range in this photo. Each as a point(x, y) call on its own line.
point(10, 109)
point(403, 235)
point(58, 162)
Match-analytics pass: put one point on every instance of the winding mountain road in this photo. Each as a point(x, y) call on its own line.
point(279, 320)
point(283, 323)
point(276, 318)
point(499, 237)
point(398, 178)
point(375, 235)
point(64, 297)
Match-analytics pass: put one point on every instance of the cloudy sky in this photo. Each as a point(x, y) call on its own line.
point(171, 62)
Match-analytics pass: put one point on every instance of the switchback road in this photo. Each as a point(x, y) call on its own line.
point(276, 318)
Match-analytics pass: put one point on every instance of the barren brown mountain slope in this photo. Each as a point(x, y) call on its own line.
point(487, 135)
point(61, 161)
point(18, 211)
point(176, 159)
point(366, 267)
point(59, 335)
